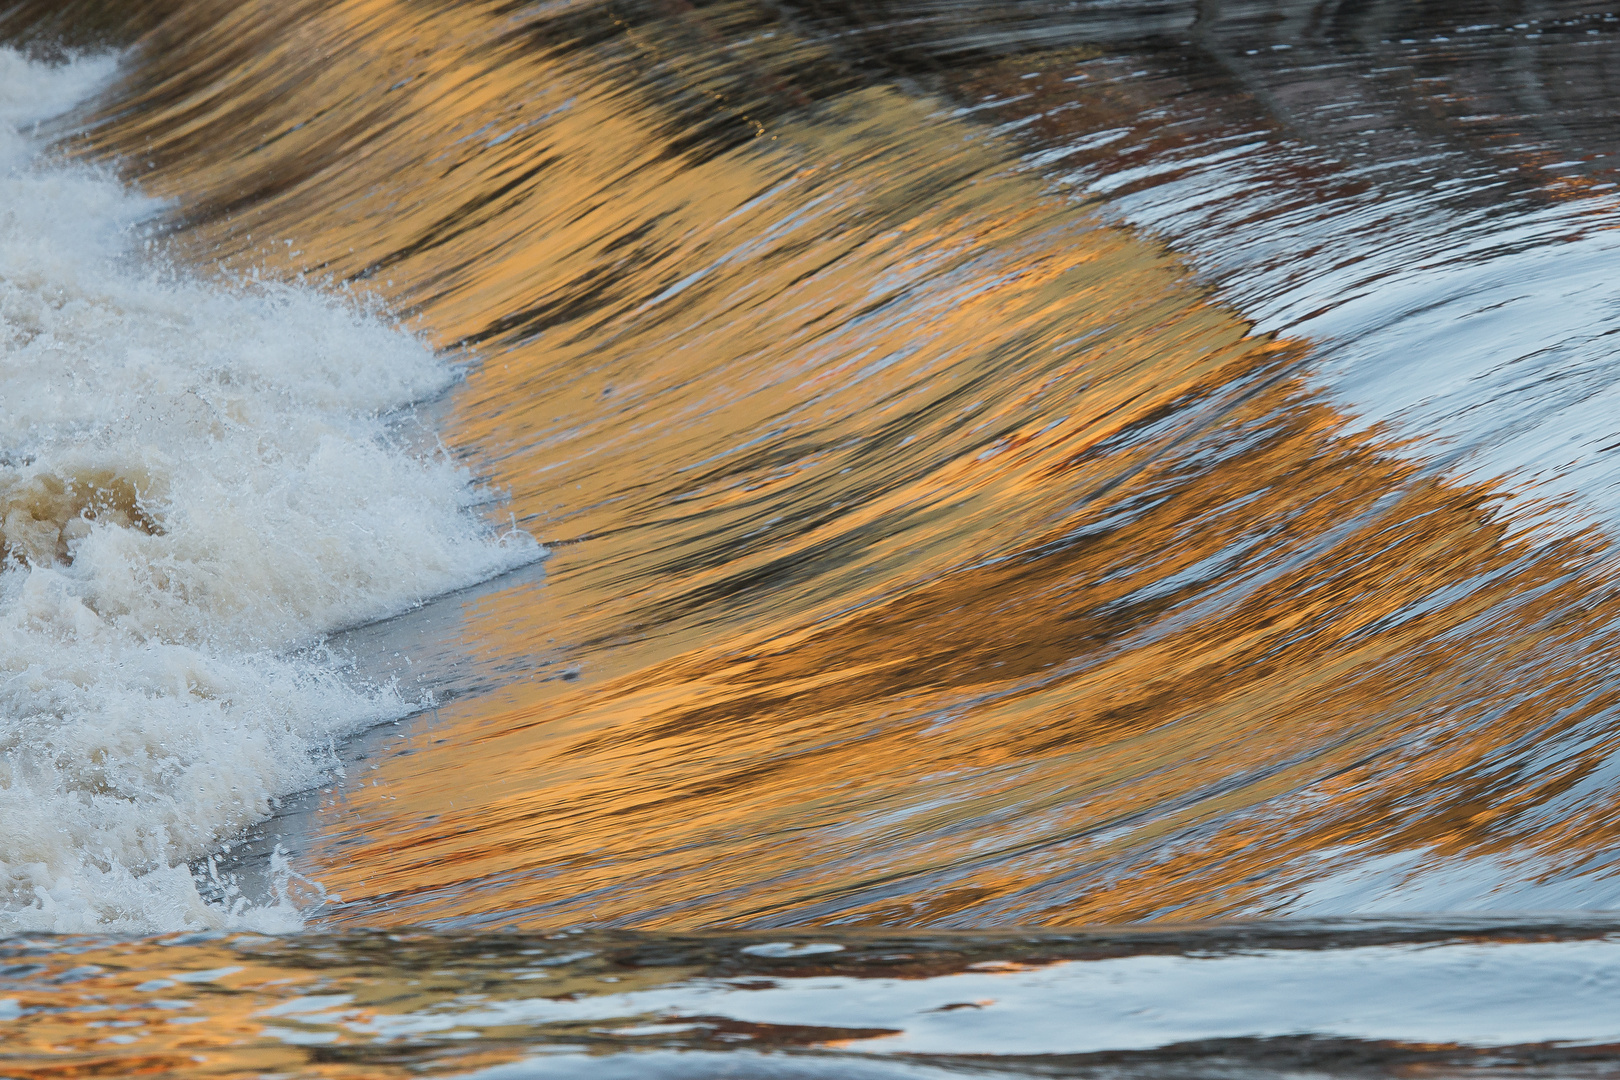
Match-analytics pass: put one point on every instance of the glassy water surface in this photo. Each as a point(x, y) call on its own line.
point(892, 540)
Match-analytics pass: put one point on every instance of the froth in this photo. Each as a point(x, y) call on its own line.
point(196, 483)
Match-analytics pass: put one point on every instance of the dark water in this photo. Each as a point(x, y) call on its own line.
point(1006, 468)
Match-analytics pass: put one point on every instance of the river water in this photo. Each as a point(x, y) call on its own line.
point(632, 538)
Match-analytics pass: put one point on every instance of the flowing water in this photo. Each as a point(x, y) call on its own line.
point(641, 538)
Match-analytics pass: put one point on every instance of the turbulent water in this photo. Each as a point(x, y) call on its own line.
point(623, 537)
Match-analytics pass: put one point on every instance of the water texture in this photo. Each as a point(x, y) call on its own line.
point(742, 485)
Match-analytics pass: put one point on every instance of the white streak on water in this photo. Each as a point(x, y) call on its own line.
point(1461, 993)
point(1485, 334)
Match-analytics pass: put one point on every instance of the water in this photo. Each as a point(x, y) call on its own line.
point(601, 538)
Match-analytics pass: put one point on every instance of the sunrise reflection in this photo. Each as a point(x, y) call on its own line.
point(929, 547)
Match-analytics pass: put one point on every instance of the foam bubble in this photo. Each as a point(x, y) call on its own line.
point(196, 484)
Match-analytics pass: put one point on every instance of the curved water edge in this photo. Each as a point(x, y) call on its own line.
point(1019, 467)
point(879, 439)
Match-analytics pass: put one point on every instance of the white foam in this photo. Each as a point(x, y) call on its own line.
point(195, 485)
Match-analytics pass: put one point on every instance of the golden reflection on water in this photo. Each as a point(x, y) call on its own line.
point(249, 1006)
point(938, 553)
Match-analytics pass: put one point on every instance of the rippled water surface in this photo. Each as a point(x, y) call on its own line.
point(642, 538)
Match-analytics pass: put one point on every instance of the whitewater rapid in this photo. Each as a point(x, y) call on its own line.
point(198, 481)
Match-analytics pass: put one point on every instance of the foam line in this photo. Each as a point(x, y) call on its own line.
point(196, 483)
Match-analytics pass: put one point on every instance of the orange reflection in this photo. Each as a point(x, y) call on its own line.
point(944, 554)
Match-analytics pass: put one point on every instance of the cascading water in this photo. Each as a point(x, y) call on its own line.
point(739, 539)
